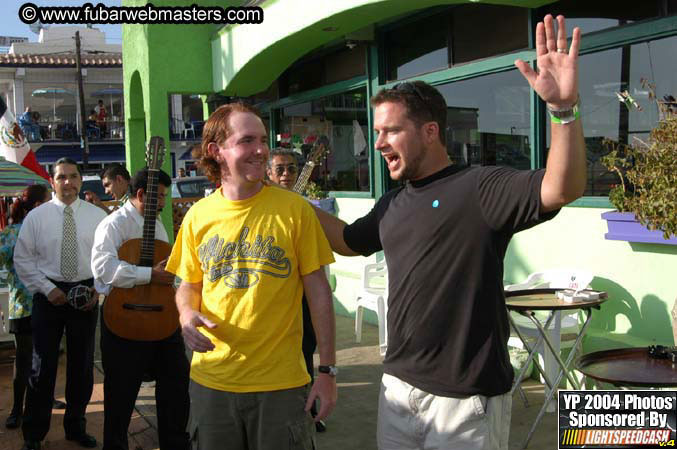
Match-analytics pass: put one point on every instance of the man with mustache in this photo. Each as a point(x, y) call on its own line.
point(52, 257)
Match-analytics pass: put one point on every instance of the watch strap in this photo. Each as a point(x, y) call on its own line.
point(329, 370)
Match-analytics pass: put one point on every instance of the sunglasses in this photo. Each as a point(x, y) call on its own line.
point(291, 169)
point(410, 88)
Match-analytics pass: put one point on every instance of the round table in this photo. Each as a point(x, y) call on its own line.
point(628, 367)
point(546, 300)
point(526, 302)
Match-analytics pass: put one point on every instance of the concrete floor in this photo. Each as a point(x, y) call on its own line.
point(351, 426)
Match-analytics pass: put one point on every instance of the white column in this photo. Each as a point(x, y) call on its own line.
point(177, 114)
point(19, 103)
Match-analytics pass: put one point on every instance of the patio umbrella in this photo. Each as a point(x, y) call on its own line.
point(110, 92)
point(53, 93)
point(15, 178)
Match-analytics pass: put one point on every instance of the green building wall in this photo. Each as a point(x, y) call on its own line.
point(241, 60)
point(159, 60)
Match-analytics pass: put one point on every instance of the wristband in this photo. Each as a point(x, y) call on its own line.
point(565, 116)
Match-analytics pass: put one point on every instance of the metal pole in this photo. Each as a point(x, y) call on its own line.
point(84, 143)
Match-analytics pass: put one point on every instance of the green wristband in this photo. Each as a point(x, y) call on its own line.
point(576, 116)
point(562, 117)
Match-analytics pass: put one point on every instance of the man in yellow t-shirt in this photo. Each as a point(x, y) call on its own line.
point(245, 255)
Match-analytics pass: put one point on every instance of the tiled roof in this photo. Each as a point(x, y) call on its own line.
point(60, 60)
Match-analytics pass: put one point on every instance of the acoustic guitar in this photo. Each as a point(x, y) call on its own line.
point(145, 312)
point(319, 152)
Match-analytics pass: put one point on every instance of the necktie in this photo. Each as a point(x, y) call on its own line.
point(69, 246)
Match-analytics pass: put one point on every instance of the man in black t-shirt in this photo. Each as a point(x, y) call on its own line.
point(444, 235)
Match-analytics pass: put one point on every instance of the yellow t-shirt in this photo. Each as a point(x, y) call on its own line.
point(250, 256)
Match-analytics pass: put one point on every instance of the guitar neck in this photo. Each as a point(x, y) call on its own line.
point(302, 181)
point(149, 219)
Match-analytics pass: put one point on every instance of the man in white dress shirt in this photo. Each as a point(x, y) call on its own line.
point(125, 362)
point(52, 256)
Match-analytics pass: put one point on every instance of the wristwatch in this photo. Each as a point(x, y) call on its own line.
point(564, 116)
point(330, 370)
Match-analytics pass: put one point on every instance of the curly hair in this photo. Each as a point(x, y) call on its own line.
point(217, 129)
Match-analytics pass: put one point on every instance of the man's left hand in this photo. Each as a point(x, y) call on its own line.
point(556, 81)
point(323, 388)
point(93, 300)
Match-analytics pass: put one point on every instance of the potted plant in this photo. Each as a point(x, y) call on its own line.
point(646, 196)
point(319, 198)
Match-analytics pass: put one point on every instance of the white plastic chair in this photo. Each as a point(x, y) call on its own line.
point(373, 295)
point(562, 326)
point(188, 128)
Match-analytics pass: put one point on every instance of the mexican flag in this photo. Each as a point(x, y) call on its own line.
point(14, 145)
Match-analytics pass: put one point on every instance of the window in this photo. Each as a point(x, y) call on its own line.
point(604, 74)
point(319, 69)
point(489, 120)
point(454, 36)
point(342, 121)
point(480, 31)
point(603, 14)
point(417, 47)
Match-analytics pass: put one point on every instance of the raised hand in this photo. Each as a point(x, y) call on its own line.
point(556, 81)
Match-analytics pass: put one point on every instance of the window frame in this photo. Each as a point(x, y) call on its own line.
point(375, 79)
point(361, 82)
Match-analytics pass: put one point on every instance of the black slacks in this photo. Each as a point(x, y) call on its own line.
point(48, 323)
point(125, 363)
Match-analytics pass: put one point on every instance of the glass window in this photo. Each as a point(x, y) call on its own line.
point(417, 47)
point(349, 62)
point(316, 70)
point(341, 120)
point(603, 14)
point(303, 77)
point(602, 76)
point(480, 31)
point(489, 120)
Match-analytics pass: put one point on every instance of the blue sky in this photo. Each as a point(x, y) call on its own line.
point(10, 25)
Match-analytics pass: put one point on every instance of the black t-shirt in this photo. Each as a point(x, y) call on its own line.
point(444, 239)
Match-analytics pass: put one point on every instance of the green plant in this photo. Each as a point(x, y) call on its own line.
point(648, 171)
point(314, 192)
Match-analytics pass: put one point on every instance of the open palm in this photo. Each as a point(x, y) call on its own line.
point(556, 81)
